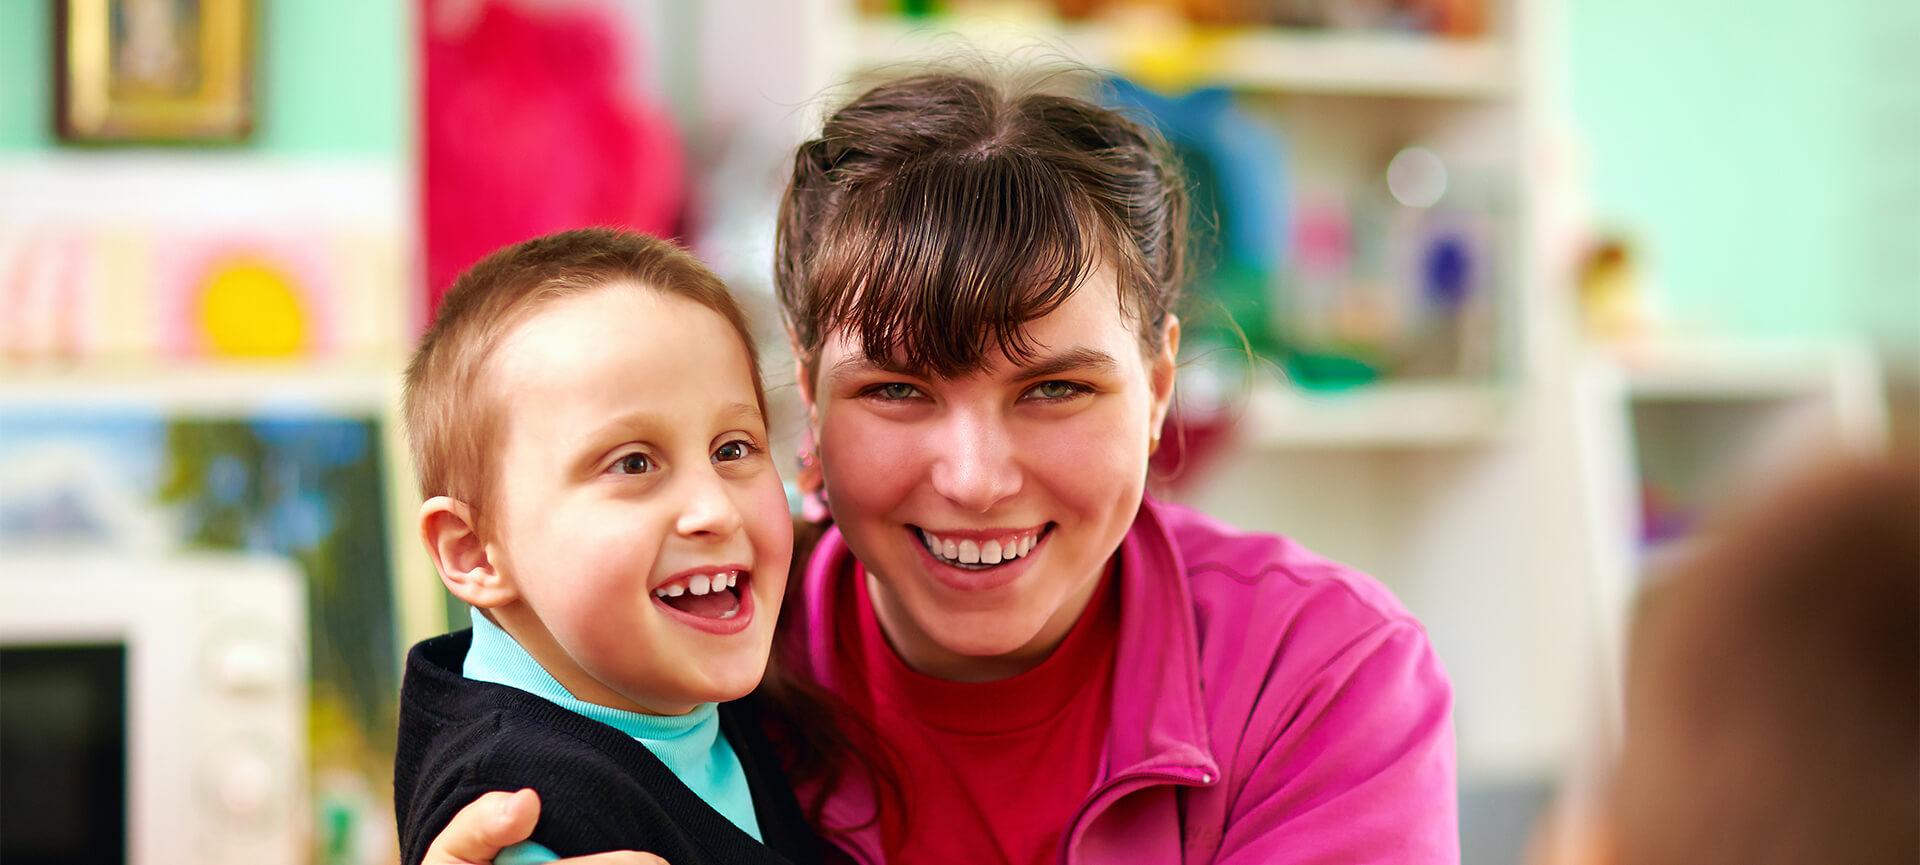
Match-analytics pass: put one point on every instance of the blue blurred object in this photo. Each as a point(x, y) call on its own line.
point(1238, 168)
point(1447, 271)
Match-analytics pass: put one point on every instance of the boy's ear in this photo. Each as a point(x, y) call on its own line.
point(461, 556)
point(1163, 371)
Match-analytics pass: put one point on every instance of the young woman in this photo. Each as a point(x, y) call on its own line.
point(1037, 661)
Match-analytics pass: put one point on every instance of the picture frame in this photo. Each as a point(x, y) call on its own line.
point(154, 71)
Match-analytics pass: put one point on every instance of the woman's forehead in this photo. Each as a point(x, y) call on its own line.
point(964, 338)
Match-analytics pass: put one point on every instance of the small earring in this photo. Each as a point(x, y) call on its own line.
point(811, 481)
point(1153, 445)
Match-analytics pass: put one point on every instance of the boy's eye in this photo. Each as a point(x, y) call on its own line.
point(894, 391)
point(633, 464)
point(1057, 390)
point(738, 449)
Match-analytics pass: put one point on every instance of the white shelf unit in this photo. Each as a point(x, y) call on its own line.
point(1393, 415)
point(1271, 59)
point(1719, 418)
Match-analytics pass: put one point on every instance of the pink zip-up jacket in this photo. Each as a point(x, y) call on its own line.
point(1269, 706)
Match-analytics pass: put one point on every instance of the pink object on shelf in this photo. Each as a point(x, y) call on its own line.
point(531, 126)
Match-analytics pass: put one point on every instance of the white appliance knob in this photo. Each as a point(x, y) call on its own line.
point(247, 668)
point(245, 786)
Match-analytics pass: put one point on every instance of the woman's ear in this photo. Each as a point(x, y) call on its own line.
point(803, 379)
point(461, 556)
point(1162, 372)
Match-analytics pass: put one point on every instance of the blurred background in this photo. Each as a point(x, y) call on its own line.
point(1498, 297)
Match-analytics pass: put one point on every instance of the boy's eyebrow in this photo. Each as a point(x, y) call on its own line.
point(740, 411)
point(621, 424)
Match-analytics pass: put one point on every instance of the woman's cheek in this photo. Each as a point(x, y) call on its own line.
point(1091, 455)
point(853, 446)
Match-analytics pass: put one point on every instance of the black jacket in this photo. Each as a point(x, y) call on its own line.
point(599, 789)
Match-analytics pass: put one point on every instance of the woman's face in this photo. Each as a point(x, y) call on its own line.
point(986, 507)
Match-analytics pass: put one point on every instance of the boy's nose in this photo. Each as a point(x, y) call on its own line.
point(709, 510)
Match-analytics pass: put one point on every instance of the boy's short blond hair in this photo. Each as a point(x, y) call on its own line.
point(452, 419)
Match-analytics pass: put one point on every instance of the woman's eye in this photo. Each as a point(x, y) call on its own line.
point(1057, 390)
point(895, 391)
point(738, 449)
point(633, 464)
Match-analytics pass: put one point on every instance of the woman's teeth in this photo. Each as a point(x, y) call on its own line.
point(971, 552)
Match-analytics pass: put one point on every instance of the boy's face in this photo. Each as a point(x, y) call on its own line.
point(633, 470)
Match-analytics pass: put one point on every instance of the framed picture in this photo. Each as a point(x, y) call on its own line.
point(154, 71)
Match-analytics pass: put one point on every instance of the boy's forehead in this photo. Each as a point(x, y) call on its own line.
point(589, 353)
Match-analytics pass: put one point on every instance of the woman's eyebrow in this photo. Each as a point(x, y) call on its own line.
point(860, 364)
point(1071, 360)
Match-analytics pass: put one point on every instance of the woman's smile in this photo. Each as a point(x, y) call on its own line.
point(979, 560)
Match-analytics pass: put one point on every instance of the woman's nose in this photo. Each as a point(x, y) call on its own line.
point(976, 469)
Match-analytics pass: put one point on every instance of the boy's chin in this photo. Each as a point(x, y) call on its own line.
point(722, 685)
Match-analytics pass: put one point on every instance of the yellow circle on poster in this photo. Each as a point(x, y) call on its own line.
point(251, 309)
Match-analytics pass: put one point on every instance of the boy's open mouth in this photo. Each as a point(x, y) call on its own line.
point(715, 595)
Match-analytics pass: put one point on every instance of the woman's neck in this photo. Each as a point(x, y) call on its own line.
point(922, 654)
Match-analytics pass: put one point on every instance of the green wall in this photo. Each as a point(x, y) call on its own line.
point(336, 77)
point(1765, 155)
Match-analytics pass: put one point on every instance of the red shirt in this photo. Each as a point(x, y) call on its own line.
point(993, 771)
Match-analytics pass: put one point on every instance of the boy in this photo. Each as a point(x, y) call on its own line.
point(588, 424)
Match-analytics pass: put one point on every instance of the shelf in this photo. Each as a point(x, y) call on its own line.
point(1358, 63)
point(1741, 370)
point(236, 191)
point(1398, 415)
point(297, 386)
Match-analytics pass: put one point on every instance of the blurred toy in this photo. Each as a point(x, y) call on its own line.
point(1448, 274)
point(1613, 306)
point(1238, 171)
point(530, 127)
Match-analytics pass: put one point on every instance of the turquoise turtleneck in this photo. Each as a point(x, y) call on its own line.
point(691, 745)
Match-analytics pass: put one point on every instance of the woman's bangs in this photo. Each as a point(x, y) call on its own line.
point(943, 265)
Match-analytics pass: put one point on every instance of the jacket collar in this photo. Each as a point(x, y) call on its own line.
point(1159, 722)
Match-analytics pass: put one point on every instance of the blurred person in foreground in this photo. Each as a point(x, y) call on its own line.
point(1773, 685)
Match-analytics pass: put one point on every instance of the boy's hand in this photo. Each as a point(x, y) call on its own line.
point(496, 821)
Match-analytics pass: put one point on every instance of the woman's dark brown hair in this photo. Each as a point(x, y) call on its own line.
point(932, 218)
point(936, 215)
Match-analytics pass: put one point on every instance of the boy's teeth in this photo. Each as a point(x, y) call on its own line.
point(990, 553)
point(699, 585)
point(969, 553)
point(676, 590)
point(950, 551)
point(1026, 544)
